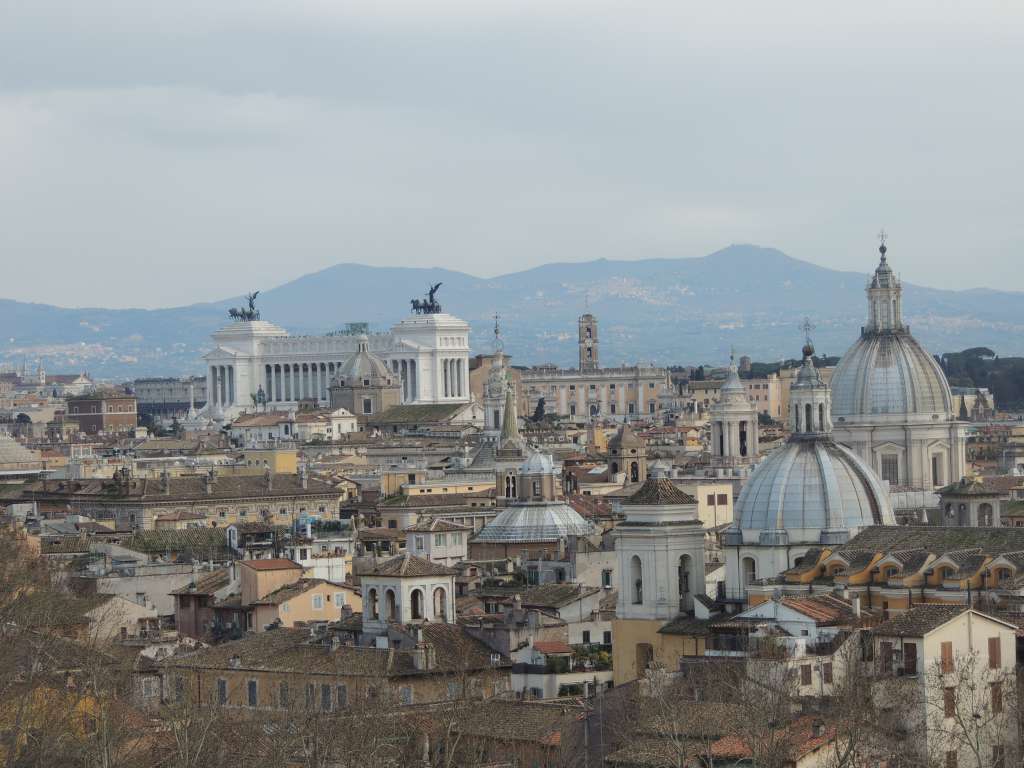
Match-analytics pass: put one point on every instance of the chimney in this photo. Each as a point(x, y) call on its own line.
point(856, 606)
point(817, 728)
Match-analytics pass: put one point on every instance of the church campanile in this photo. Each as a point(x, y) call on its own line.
point(588, 343)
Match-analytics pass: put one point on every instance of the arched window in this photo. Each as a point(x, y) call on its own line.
point(440, 604)
point(684, 581)
point(749, 571)
point(821, 417)
point(809, 422)
point(615, 467)
point(636, 572)
point(743, 438)
point(634, 472)
point(372, 599)
point(417, 604)
point(796, 418)
point(985, 515)
point(390, 606)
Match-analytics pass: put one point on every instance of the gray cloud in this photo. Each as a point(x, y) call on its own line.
point(157, 154)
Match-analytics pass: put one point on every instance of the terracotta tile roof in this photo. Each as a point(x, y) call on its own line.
point(409, 565)
point(271, 564)
point(293, 590)
point(552, 647)
point(660, 490)
point(555, 595)
point(919, 620)
point(800, 735)
point(436, 525)
point(823, 609)
point(380, 534)
point(202, 543)
point(521, 721)
point(686, 625)
point(65, 545)
point(205, 583)
point(936, 539)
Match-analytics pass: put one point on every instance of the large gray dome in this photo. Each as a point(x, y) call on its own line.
point(889, 373)
point(811, 491)
point(544, 521)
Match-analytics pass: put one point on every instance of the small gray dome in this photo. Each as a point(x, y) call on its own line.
point(538, 464)
point(889, 373)
point(811, 487)
point(545, 521)
point(364, 365)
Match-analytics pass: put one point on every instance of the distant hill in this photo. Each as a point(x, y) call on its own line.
point(667, 311)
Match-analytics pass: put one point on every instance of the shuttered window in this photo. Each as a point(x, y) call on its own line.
point(949, 702)
point(909, 659)
point(805, 674)
point(995, 660)
point(947, 657)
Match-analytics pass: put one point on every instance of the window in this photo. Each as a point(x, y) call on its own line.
point(891, 468)
point(318, 602)
point(586, 637)
point(805, 674)
point(438, 539)
point(367, 405)
point(339, 599)
point(951, 759)
point(405, 694)
point(341, 692)
point(310, 695)
point(222, 692)
point(253, 692)
point(949, 702)
point(994, 653)
point(909, 658)
point(636, 571)
point(419, 543)
point(454, 690)
point(947, 657)
point(606, 578)
point(826, 672)
point(723, 499)
point(711, 499)
point(607, 637)
point(455, 539)
point(282, 696)
point(325, 698)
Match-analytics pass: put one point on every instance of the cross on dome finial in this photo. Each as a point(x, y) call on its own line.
point(498, 344)
point(732, 354)
point(882, 237)
point(807, 326)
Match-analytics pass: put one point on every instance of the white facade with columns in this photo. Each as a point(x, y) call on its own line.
point(429, 353)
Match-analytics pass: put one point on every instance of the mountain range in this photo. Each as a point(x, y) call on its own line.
point(683, 311)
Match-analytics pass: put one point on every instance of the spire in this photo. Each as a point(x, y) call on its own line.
point(510, 422)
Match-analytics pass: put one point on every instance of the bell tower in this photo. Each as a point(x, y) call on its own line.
point(588, 343)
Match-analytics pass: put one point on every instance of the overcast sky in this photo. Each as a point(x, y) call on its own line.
point(161, 153)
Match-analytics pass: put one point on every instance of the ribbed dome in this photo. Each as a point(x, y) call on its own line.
point(815, 491)
point(888, 372)
point(364, 365)
point(546, 521)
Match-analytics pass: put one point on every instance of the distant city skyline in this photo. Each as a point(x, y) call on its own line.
point(161, 156)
